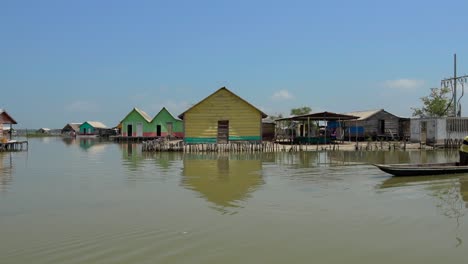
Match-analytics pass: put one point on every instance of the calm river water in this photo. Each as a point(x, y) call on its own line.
point(100, 202)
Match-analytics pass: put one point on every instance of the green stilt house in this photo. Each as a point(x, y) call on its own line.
point(167, 125)
point(137, 123)
point(92, 128)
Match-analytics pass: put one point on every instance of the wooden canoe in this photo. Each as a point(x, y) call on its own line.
point(422, 169)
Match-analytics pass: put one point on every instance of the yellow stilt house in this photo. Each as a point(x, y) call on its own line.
point(222, 117)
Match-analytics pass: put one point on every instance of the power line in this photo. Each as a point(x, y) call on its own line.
point(452, 83)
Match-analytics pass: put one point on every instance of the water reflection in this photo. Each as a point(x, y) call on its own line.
point(339, 158)
point(223, 179)
point(69, 141)
point(93, 145)
point(388, 157)
point(86, 143)
point(450, 191)
point(6, 168)
point(164, 160)
point(132, 156)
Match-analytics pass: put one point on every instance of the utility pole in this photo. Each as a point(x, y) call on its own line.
point(452, 83)
point(455, 84)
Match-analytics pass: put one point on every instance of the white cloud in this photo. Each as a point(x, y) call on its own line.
point(282, 95)
point(404, 84)
point(82, 106)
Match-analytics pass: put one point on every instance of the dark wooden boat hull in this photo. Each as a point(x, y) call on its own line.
point(422, 169)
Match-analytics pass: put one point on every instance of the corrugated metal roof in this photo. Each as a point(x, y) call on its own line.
point(268, 120)
point(143, 114)
point(140, 112)
point(364, 114)
point(96, 124)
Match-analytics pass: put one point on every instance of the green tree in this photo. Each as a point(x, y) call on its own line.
point(436, 104)
point(301, 110)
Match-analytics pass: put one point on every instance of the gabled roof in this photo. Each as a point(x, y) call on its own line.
point(140, 112)
point(143, 114)
point(95, 124)
point(74, 126)
point(363, 115)
point(164, 109)
point(181, 116)
point(9, 120)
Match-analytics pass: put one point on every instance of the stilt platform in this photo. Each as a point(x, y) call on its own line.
point(14, 146)
point(134, 139)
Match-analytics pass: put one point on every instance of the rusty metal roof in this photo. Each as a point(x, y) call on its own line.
point(9, 119)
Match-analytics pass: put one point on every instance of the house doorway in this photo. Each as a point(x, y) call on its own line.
point(381, 127)
point(158, 130)
point(169, 128)
point(423, 132)
point(129, 130)
point(223, 132)
point(139, 129)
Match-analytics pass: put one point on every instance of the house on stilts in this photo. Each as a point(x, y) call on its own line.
point(167, 125)
point(93, 129)
point(6, 121)
point(71, 129)
point(138, 124)
point(222, 117)
point(376, 124)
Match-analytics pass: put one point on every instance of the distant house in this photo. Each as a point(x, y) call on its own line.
point(167, 125)
point(6, 119)
point(92, 128)
point(222, 117)
point(71, 128)
point(373, 124)
point(43, 130)
point(136, 124)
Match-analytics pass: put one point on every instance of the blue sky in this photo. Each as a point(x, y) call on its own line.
point(72, 61)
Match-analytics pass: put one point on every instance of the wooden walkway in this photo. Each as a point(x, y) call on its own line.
point(14, 146)
point(132, 139)
point(162, 145)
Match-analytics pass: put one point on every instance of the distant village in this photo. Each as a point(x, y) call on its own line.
point(224, 117)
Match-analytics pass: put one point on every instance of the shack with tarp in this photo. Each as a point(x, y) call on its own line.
point(314, 128)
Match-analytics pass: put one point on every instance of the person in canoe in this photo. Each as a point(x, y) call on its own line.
point(464, 152)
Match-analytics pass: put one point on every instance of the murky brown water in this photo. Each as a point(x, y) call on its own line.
point(96, 202)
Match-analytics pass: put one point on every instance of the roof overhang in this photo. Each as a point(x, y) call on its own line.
point(9, 119)
point(321, 116)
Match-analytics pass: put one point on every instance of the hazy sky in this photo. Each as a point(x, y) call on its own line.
point(71, 61)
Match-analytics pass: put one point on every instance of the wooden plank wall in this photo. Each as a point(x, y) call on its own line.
point(371, 124)
point(202, 120)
